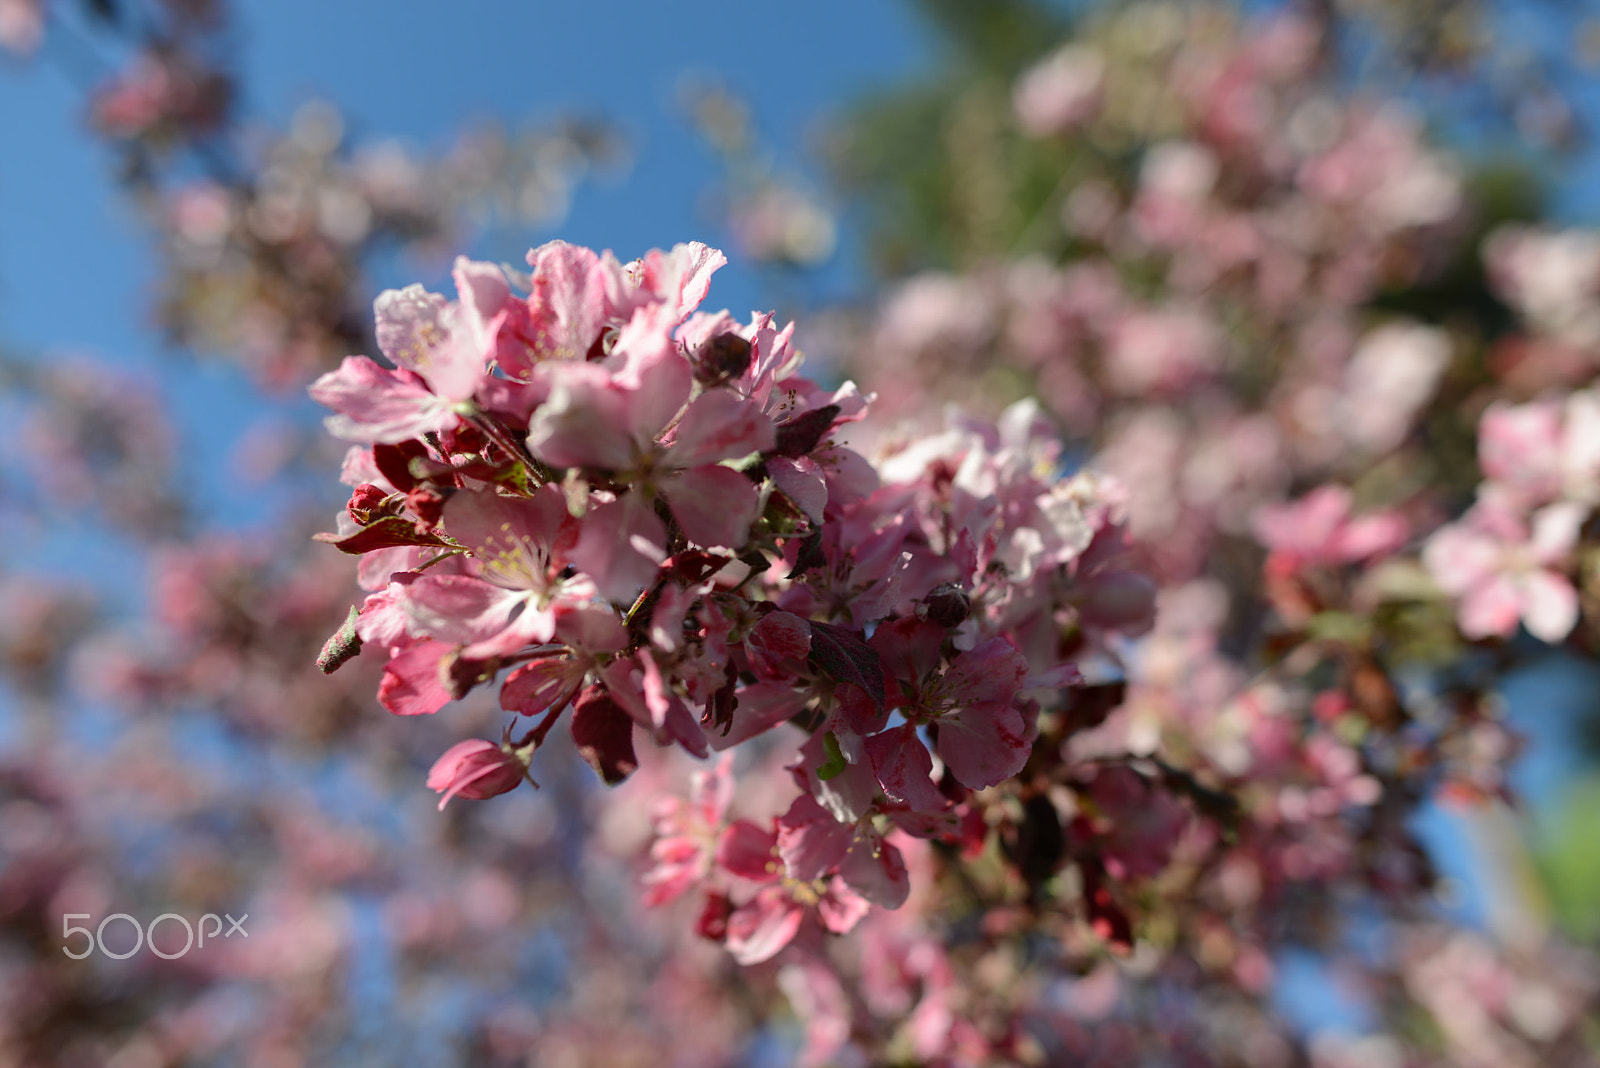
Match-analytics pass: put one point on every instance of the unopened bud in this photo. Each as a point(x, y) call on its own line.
point(948, 605)
point(476, 769)
point(368, 502)
point(721, 358)
point(344, 645)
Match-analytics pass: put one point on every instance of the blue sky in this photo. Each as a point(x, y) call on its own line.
point(71, 258)
point(75, 269)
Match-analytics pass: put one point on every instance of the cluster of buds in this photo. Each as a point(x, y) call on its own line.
point(643, 514)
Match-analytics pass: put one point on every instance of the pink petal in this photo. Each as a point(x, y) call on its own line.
point(532, 626)
point(1549, 606)
point(410, 324)
point(847, 796)
point(603, 734)
point(1490, 610)
point(540, 684)
point(714, 505)
point(514, 539)
point(811, 842)
point(905, 768)
point(1459, 558)
point(802, 482)
point(621, 548)
point(778, 637)
point(746, 850)
point(682, 277)
point(908, 648)
point(590, 628)
point(841, 908)
point(759, 929)
point(990, 673)
point(719, 425)
point(761, 707)
point(444, 769)
point(875, 869)
point(637, 686)
point(567, 307)
point(1305, 526)
point(646, 362)
point(585, 421)
point(378, 406)
point(666, 621)
point(1555, 530)
point(484, 298)
point(410, 684)
point(667, 710)
point(383, 617)
point(984, 745)
point(378, 567)
point(458, 608)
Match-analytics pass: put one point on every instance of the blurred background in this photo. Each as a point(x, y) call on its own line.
point(1235, 252)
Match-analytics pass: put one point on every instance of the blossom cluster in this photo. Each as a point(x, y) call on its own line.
point(1233, 324)
point(648, 516)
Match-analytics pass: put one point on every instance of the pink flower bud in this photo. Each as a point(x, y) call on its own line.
point(477, 769)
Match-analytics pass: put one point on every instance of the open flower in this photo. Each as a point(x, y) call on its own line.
point(1504, 573)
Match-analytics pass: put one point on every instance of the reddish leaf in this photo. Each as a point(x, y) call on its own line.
point(800, 435)
point(809, 556)
point(844, 656)
point(386, 533)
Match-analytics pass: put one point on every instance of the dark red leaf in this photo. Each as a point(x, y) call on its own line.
point(800, 435)
point(844, 656)
point(810, 555)
point(386, 533)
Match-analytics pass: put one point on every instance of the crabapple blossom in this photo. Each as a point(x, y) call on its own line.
point(1507, 571)
point(647, 515)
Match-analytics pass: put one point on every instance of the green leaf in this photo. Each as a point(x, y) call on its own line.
point(836, 762)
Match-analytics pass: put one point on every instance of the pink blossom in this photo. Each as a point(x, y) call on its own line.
point(378, 405)
point(1502, 573)
point(758, 929)
point(1060, 92)
point(1543, 450)
point(21, 25)
point(1320, 531)
point(688, 833)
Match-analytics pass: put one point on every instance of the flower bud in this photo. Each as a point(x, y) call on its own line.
point(368, 502)
point(947, 605)
point(720, 358)
point(476, 769)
